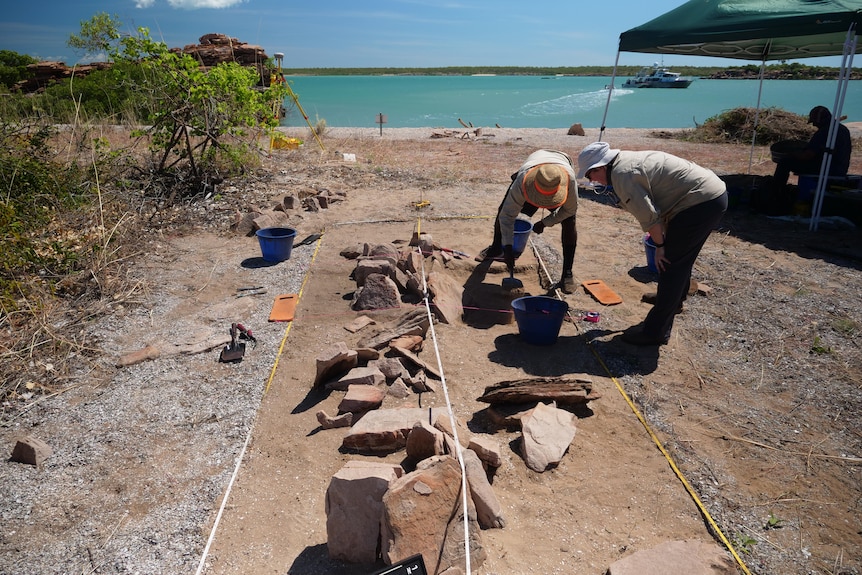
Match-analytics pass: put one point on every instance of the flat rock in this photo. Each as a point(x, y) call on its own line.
point(354, 503)
point(487, 449)
point(365, 375)
point(547, 433)
point(362, 398)
point(334, 362)
point(386, 430)
point(690, 557)
point(489, 512)
point(447, 297)
point(563, 391)
point(366, 267)
point(359, 323)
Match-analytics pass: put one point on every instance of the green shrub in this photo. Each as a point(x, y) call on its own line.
point(35, 188)
point(13, 67)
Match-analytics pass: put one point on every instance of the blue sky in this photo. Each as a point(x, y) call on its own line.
point(366, 33)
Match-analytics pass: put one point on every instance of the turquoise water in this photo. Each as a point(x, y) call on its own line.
point(537, 102)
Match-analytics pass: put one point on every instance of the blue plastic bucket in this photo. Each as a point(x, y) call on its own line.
point(276, 243)
point(522, 234)
point(539, 318)
point(807, 187)
point(649, 247)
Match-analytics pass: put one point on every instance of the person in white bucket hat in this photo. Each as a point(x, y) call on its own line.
point(677, 202)
point(546, 180)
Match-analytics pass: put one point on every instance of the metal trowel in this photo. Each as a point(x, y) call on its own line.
point(512, 283)
point(235, 350)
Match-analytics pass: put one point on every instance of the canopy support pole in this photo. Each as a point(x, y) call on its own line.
point(757, 109)
point(826, 164)
point(610, 93)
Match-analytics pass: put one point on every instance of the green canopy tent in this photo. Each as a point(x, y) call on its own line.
point(756, 30)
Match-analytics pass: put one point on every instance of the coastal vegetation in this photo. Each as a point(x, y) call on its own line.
point(73, 187)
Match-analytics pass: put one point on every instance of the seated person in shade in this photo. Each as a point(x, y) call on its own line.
point(809, 159)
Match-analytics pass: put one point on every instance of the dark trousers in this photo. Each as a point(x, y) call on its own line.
point(781, 199)
point(568, 235)
point(684, 238)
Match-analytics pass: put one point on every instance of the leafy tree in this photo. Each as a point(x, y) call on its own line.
point(13, 67)
point(199, 119)
point(98, 35)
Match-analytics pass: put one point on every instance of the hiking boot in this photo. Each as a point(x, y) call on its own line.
point(635, 335)
point(651, 297)
point(567, 283)
point(494, 253)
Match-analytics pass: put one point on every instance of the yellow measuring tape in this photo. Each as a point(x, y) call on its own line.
point(715, 528)
point(290, 323)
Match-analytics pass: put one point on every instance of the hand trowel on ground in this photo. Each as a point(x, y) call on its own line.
point(512, 283)
point(234, 351)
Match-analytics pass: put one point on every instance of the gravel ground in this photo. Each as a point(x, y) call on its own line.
point(187, 413)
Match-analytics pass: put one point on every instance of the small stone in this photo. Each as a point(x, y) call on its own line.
point(31, 450)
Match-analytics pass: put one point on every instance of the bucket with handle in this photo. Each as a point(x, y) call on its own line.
point(276, 243)
point(650, 247)
point(522, 234)
point(539, 318)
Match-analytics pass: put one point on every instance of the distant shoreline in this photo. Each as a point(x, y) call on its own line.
point(539, 137)
point(743, 71)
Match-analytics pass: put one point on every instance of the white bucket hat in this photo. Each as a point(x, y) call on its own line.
point(595, 155)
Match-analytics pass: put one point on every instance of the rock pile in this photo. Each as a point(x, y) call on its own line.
point(41, 74)
point(387, 277)
point(215, 49)
point(279, 214)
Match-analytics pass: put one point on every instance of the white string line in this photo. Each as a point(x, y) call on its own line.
point(451, 414)
point(557, 291)
point(224, 502)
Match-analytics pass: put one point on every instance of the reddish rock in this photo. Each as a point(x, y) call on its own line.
point(423, 513)
point(362, 398)
point(354, 502)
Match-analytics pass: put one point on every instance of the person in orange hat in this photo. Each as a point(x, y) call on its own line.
point(546, 180)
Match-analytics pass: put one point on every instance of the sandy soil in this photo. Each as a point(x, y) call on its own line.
point(756, 398)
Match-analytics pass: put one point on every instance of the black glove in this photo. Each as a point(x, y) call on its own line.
point(538, 227)
point(509, 258)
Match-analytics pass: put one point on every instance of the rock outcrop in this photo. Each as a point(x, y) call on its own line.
point(213, 49)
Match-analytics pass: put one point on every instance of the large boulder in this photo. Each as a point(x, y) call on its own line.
point(423, 513)
point(354, 503)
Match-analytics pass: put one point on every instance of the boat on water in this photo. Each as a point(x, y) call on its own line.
point(658, 77)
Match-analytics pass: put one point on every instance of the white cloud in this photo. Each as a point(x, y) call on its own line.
point(144, 3)
point(191, 4)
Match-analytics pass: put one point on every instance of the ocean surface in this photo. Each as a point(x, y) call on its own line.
point(543, 102)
